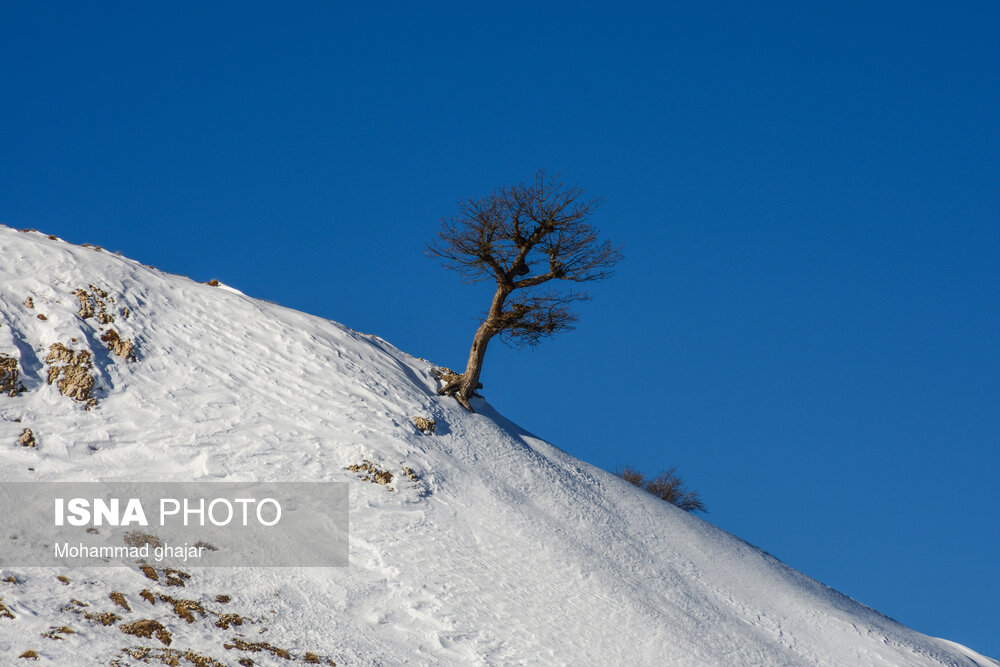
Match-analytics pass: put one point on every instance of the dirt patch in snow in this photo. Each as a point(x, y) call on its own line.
point(134, 538)
point(119, 599)
point(107, 618)
point(166, 656)
point(184, 609)
point(57, 632)
point(257, 647)
point(146, 628)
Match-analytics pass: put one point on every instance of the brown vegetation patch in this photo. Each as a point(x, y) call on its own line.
point(171, 577)
point(424, 424)
point(11, 579)
point(120, 600)
point(256, 647)
point(64, 579)
point(9, 374)
point(410, 474)
point(78, 603)
point(226, 620)
point(222, 599)
point(135, 538)
point(167, 656)
point(184, 608)
point(57, 632)
point(147, 596)
point(5, 612)
point(73, 375)
point(30, 654)
point(29, 303)
point(369, 473)
point(126, 313)
point(175, 577)
point(213, 282)
point(146, 628)
point(107, 618)
point(27, 438)
point(41, 316)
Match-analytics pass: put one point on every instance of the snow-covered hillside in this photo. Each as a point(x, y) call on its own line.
point(488, 545)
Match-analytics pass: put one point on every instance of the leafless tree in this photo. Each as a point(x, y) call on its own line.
point(522, 238)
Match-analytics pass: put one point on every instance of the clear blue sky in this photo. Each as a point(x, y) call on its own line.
point(807, 318)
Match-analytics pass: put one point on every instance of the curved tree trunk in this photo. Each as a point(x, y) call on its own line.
point(463, 386)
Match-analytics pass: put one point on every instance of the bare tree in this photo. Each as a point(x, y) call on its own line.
point(522, 237)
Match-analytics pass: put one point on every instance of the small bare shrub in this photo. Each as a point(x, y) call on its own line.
point(666, 486)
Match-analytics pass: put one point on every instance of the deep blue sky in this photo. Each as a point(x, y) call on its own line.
point(807, 318)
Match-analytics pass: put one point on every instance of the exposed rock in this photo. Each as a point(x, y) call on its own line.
point(72, 369)
point(27, 439)
point(425, 424)
point(103, 316)
point(369, 473)
point(9, 374)
point(122, 347)
point(29, 303)
point(86, 303)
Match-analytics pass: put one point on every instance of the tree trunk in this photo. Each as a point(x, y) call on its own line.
point(463, 386)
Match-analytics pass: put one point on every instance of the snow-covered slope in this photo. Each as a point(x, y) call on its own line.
point(503, 550)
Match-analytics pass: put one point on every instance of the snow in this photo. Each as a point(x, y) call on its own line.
point(506, 550)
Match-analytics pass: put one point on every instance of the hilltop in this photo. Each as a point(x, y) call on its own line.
point(477, 543)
